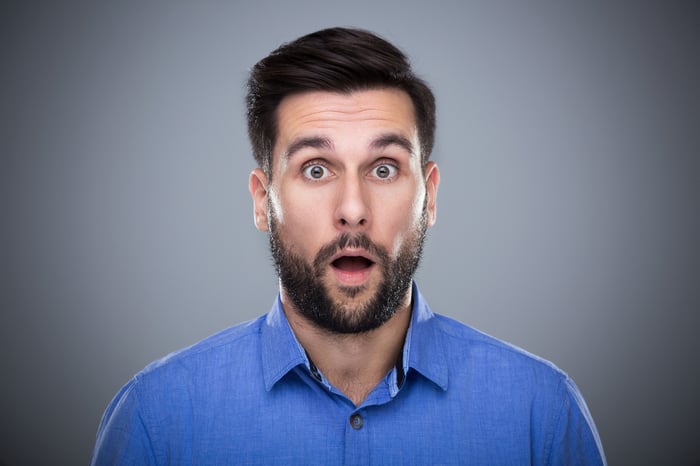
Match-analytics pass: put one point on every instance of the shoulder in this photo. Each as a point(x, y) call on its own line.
point(236, 344)
point(484, 354)
point(511, 383)
point(170, 392)
point(500, 372)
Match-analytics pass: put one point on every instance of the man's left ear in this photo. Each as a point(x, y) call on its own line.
point(432, 181)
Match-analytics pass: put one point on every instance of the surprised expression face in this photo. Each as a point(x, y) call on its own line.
point(347, 206)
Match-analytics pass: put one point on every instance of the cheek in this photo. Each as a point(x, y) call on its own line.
point(402, 220)
point(293, 206)
point(414, 206)
point(301, 221)
point(274, 207)
point(418, 208)
point(304, 220)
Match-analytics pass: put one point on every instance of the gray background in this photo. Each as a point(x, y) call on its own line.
point(568, 223)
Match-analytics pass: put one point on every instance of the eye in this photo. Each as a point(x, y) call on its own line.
point(384, 171)
point(315, 171)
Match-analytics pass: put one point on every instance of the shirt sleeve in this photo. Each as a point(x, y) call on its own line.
point(122, 437)
point(575, 439)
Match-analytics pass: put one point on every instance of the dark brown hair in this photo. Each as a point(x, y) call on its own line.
point(336, 60)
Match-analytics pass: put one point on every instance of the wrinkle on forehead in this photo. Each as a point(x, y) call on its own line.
point(343, 112)
point(304, 115)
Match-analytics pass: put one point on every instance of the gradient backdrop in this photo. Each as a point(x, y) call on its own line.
point(569, 143)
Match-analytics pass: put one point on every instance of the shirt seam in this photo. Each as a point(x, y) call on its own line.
point(150, 434)
point(187, 353)
point(549, 444)
point(493, 342)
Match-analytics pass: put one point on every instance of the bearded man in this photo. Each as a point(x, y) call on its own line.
point(350, 366)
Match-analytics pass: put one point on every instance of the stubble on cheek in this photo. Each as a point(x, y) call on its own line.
point(346, 310)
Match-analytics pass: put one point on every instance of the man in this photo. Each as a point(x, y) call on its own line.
point(350, 366)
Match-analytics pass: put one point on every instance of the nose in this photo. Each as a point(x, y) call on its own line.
point(352, 208)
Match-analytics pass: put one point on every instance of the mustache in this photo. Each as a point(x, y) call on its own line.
point(346, 240)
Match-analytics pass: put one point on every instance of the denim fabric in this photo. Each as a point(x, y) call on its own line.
point(248, 395)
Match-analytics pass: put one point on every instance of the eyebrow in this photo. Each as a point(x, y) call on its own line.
point(320, 142)
point(312, 142)
point(393, 139)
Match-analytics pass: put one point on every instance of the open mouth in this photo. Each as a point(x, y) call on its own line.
point(350, 264)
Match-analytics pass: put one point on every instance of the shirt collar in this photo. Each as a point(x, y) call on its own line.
point(281, 351)
point(423, 349)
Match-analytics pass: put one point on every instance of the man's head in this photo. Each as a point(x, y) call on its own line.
point(335, 60)
point(345, 189)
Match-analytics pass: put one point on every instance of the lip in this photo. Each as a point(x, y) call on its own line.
point(352, 252)
point(353, 277)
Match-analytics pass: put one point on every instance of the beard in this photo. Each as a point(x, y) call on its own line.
point(303, 281)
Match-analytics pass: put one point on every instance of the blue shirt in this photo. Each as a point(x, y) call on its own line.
point(249, 395)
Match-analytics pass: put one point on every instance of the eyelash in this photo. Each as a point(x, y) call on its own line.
point(316, 163)
point(311, 164)
point(386, 163)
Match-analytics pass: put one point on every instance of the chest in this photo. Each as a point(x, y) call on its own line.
point(303, 424)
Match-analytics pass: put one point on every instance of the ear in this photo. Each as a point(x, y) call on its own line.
point(432, 181)
point(257, 185)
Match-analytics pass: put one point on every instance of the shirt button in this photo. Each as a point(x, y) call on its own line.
point(356, 421)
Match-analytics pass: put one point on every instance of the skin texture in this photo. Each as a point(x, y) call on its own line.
point(348, 166)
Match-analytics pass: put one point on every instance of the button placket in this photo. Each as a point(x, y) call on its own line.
point(357, 438)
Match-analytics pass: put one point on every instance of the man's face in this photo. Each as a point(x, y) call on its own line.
point(347, 206)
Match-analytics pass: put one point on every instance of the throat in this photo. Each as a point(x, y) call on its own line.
point(356, 392)
point(357, 381)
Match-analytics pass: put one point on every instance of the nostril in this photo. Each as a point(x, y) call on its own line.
point(362, 222)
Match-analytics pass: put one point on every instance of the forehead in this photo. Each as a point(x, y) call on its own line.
point(366, 112)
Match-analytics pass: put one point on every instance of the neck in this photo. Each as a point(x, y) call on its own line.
point(354, 363)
